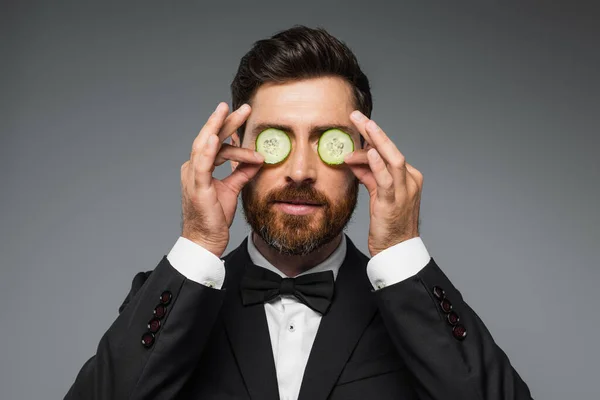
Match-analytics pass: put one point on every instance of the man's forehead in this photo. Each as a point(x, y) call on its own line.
point(309, 106)
point(308, 97)
point(317, 88)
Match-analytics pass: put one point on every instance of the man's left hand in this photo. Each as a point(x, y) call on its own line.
point(394, 186)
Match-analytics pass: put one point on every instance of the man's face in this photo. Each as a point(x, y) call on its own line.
point(300, 106)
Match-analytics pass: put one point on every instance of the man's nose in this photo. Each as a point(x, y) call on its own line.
point(301, 165)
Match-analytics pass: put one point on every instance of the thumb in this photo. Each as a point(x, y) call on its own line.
point(364, 175)
point(243, 173)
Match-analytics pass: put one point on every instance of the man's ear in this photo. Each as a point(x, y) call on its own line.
point(235, 141)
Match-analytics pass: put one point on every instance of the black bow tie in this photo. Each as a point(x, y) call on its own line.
point(259, 285)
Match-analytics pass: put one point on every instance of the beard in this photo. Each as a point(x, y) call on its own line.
point(298, 234)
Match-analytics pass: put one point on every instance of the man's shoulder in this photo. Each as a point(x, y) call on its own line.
point(354, 251)
point(238, 253)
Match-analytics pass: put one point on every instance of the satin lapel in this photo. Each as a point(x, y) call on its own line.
point(248, 332)
point(340, 329)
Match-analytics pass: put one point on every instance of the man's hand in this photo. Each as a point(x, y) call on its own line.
point(394, 186)
point(208, 204)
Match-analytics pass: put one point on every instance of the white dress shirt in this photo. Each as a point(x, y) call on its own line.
point(292, 325)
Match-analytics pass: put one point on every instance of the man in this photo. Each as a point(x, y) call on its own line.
point(203, 326)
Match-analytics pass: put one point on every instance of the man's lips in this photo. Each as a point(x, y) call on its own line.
point(299, 202)
point(296, 208)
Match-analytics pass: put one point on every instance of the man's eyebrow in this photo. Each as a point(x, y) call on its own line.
point(314, 130)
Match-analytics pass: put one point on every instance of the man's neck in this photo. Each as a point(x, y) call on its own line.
point(294, 265)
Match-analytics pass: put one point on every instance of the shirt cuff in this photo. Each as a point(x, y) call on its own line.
point(398, 262)
point(197, 264)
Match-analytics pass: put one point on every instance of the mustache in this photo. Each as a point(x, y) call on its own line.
point(305, 193)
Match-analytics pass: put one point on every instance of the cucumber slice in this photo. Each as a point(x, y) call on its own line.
point(334, 144)
point(274, 144)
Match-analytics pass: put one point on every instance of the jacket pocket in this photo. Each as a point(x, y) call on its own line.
point(356, 370)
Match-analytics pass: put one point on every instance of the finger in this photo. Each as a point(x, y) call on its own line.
point(242, 174)
point(365, 176)
point(240, 154)
point(385, 181)
point(415, 175)
point(211, 127)
point(234, 121)
point(203, 164)
point(357, 157)
point(360, 120)
point(389, 153)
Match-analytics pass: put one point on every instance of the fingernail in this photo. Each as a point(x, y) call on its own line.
point(374, 155)
point(258, 156)
point(218, 105)
point(348, 156)
point(372, 126)
point(244, 108)
point(357, 116)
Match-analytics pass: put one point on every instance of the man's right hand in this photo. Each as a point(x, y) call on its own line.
point(208, 204)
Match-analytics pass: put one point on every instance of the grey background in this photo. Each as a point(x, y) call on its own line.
point(495, 102)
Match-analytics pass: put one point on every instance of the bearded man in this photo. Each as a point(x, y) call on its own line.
point(296, 311)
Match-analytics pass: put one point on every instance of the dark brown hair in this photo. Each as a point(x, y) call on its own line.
point(294, 54)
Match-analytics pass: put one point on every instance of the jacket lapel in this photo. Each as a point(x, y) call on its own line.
point(248, 332)
point(340, 329)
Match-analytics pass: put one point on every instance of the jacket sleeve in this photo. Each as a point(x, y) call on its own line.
point(152, 347)
point(450, 352)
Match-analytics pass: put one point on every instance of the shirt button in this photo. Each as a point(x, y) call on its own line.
point(439, 293)
point(165, 297)
point(379, 284)
point(209, 284)
point(291, 326)
point(459, 332)
point(154, 325)
point(148, 339)
point(160, 311)
point(446, 305)
point(452, 318)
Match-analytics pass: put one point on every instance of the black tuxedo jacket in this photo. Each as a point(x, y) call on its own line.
point(394, 343)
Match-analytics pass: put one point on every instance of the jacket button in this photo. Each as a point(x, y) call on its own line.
point(165, 297)
point(452, 318)
point(154, 325)
point(160, 311)
point(438, 292)
point(459, 332)
point(148, 339)
point(446, 305)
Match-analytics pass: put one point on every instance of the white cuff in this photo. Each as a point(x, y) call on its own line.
point(397, 263)
point(197, 264)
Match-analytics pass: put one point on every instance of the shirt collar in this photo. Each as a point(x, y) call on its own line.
point(333, 262)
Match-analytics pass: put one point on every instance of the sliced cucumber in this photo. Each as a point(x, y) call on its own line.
point(274, 144)
point(334, 144)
